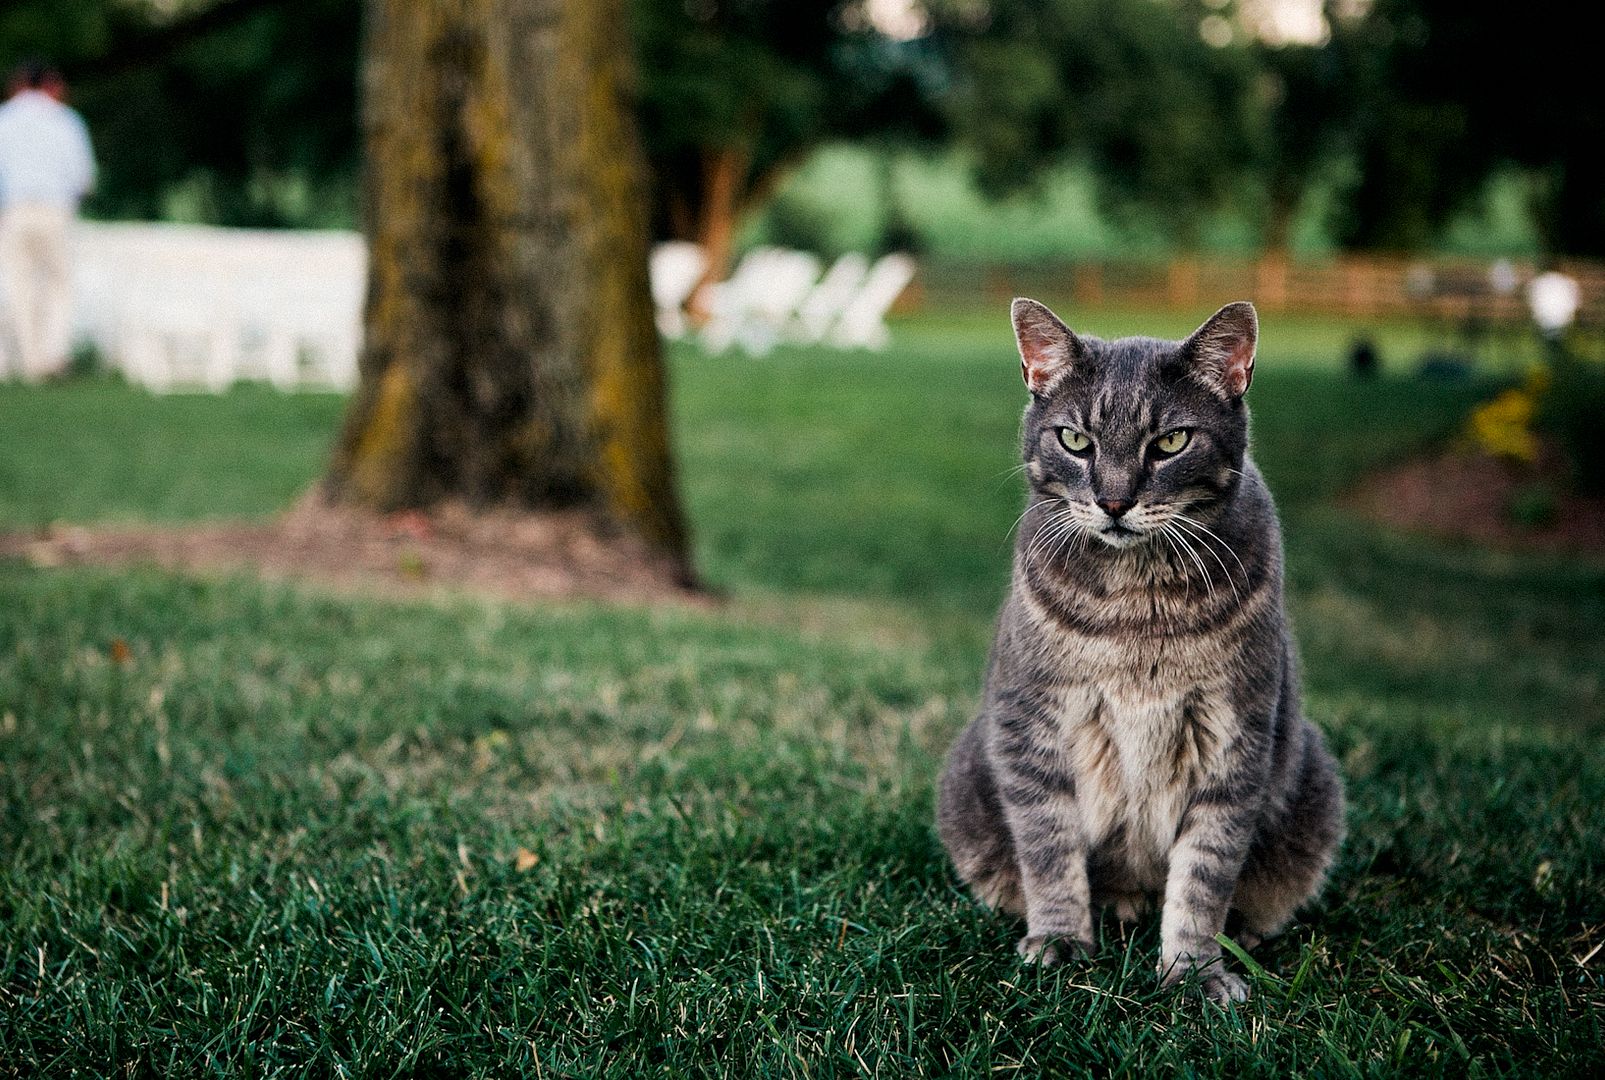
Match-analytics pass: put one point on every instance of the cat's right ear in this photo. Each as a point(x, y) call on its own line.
point(1047, 346)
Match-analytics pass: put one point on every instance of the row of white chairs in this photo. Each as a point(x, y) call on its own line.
point(183, 307)
point(777, 295)
point(178, 307)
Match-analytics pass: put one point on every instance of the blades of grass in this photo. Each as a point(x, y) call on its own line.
point(1305, 963)
point(1254, 968)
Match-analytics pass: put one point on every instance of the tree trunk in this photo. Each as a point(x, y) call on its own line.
point(728, 191)
point(724, 177)
point(510, 356)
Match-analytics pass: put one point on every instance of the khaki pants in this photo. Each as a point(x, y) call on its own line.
point(38, 287)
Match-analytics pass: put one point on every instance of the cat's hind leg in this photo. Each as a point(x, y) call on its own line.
point(1287, 866)
point(970, 819)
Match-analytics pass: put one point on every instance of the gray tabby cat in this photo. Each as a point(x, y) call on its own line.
point(1140, 731)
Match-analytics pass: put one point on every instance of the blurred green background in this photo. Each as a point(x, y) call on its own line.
point(999, 130)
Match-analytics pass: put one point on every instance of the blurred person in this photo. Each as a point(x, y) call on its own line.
point(1553, 298)
point(1364, 360)
point(46, 168)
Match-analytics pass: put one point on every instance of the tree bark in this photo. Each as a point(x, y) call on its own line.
point(724, 177)
point(727, 191)
point(510, 355)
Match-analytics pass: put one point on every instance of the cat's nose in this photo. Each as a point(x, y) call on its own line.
point(1115, 507)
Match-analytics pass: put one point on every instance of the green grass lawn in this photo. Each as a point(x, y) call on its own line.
point(250, 829)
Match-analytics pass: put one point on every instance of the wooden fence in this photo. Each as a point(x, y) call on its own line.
point(1353, 286)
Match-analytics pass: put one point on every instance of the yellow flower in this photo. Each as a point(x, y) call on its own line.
point(1503, 426)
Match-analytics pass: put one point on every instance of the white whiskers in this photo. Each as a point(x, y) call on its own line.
point(1184, 526)
point(1058, 534)
point(1164, 532)
point(1169, 529)
point(1196, 524)
point(1064, 527)
point(1210, 551)
point(1008, 474)
point(1030, 506)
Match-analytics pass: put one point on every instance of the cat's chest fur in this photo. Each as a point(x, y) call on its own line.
point(1140, 721)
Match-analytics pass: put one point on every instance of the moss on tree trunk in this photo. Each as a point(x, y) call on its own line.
point(510, 355)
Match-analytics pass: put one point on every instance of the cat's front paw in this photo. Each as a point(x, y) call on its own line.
point(1214, 981)
point(1223, 987)
point(1048, 951)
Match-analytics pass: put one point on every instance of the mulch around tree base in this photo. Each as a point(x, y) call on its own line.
point(514, 554)
point(1466, 495)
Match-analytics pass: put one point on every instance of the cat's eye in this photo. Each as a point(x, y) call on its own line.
point(1172, 442)
point(1074, 441)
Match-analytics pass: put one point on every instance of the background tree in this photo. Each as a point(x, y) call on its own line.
point(737, 92)
point(510, 354)
point(1309, 105)
point(1166, 121)
point(246, 108)
point(1448, 92)
point(241, 112)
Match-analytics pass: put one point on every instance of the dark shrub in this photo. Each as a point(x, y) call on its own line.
point(1572, 412)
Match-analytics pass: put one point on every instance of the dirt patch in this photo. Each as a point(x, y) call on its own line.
point(518, 555)
point(1467, 495)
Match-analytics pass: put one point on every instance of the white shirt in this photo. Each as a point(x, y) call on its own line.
point(45, 155)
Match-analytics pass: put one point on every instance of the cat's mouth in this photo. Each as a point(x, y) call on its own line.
point(1117, 535)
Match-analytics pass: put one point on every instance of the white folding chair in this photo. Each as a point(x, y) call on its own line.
point(302, 306)
point(773, 304)
point(676, 269)
point(730, 300)
point(862, 324)
point(193, 307)
point(177, 327)
point(827, 300)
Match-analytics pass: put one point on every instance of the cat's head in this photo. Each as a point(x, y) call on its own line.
point(1136, 434)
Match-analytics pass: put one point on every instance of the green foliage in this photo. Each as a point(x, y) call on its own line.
point(794, 222)
point(749, 76)
point(761, 82)
point(251, 123)
point(748, 73)
point(1534, 506)
point(835, 201)
point(1445, 93)
point(1393, 129)
point(253, 119)
point(1309, 100)
point(1411, 109)
point(257, 829)
point(1166, 121)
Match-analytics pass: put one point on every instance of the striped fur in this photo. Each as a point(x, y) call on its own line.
point(1140, 736)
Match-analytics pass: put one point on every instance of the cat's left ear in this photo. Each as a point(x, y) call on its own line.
point(1222, 350)
point(1047, 346)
